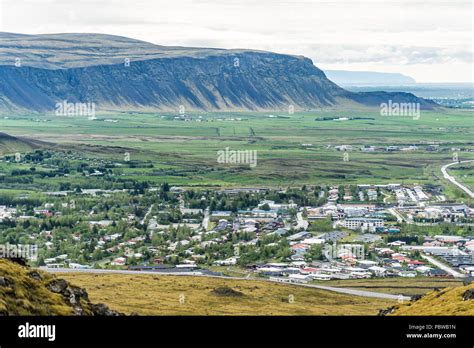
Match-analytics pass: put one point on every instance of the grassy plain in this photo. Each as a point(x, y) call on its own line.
point(185, 152)
point(160, 295)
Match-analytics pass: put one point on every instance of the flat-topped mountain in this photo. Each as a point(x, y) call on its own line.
point(117, 73)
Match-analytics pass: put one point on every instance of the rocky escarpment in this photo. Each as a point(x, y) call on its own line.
point(30, 292)
point(39, 71)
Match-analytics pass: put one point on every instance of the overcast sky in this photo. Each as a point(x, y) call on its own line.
point(430, 40)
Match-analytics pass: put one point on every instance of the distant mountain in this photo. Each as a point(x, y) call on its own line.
point(39, 71)
point(368, 78)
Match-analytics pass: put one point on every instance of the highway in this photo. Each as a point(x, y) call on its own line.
point(346, 291)
point(444, 170)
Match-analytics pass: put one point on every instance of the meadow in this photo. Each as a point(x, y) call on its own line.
point(181, 295)
point(292, 149)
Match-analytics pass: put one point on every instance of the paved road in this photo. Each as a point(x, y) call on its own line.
point(444, 170)
point(395, 213)
point(444, 267)
point(347, 291)
point(146, 215)
point(301, 222)
point(205, 220)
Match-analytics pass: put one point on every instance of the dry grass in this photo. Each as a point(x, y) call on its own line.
point(26, 296)
point(397, 286)
point(160, 295)
point(448, 301)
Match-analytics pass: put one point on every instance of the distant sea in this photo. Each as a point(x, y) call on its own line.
point(456, 95)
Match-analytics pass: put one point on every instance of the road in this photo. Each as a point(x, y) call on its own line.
point(444, 170)
point(146, 215)
point(346, 291)
point(395, 213)
point(444, 267)
point(205, 221)
point(301, 222)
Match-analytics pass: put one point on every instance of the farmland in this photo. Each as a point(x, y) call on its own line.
point(293, 149)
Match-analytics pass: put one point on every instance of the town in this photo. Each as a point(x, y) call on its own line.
point(297, 235)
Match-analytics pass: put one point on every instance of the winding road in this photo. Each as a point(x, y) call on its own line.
point(346, 291)
point(444, 170)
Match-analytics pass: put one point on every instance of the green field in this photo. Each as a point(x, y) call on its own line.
point(185, 152)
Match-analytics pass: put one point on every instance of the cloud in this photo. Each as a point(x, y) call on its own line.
point(345, 32)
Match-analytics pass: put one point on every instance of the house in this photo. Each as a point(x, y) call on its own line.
point(102, 223)
point(298, 236)
point(270, 271)
point(406, 274)
point(221, 214)
point(431, 148)
point(78, 266)
point(312, 241)
point(415, 263)
point(367, 148)
point(438, 273)
point(423, 269)
point(298, 278)
point(343, 147)
point(231, 261)
point(299, 248)
point(119, 261)
point(367, 263)
point(397, 243)
point(400, 257)
point(378, 271)
point(363, 224)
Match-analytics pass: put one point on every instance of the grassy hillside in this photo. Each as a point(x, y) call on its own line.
point(449, 301)
point(28, 292)
point(10, 144)
point(20, 294)
point(180, 295)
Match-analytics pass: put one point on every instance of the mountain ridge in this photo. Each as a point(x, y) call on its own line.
point(117, 73)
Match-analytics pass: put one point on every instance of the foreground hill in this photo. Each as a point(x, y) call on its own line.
point(449, 301)
point(38, 71)
point(28, 292)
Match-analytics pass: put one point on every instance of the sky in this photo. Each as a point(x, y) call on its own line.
point(430, 40)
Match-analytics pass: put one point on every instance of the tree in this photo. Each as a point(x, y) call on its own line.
point(314, 253)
